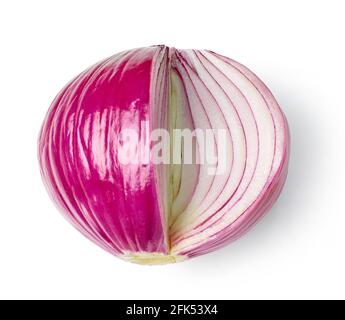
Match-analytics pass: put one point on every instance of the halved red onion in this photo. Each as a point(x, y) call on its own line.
point(153, 213)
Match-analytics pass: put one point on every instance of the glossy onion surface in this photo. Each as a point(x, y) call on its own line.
point(152, 213)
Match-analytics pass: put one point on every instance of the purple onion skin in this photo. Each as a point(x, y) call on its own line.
point(114, 205)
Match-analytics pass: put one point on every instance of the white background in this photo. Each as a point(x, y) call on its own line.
point(296, 47)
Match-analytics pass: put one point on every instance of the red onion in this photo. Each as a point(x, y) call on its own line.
point(153, 212)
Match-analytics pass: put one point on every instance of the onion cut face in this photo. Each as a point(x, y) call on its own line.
point(152, 212)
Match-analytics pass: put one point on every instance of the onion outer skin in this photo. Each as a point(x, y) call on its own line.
point(128, 209)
